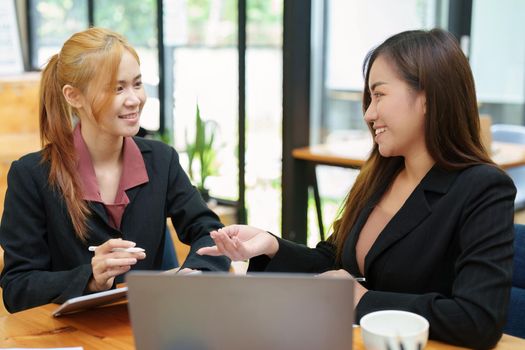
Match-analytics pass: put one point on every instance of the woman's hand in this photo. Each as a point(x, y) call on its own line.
point(241, 242)
point(107, 264)
point(359, 290)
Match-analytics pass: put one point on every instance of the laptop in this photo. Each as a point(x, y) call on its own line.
point(230, 312)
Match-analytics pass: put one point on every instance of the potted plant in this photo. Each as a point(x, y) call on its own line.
point(201, 153)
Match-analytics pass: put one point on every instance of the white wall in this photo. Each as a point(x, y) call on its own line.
point(356, 26)
point(497, 54)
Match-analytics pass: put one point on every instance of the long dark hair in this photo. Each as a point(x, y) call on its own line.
point(432, 62)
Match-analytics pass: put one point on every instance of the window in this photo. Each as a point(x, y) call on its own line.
point(52, 22)
point(201, 39)
point(264, 113)
point(201, 45)
point(497, 57)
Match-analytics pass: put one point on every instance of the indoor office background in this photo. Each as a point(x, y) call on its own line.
point(273, 75)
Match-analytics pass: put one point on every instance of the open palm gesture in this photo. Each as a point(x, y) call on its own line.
point(241, 242)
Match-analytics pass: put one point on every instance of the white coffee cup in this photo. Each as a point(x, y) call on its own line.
point(394, 330)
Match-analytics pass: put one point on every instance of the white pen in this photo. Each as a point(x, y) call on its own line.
point(360, 279)
point(127, 250)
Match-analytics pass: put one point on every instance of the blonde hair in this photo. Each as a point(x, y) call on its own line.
point(88, 61)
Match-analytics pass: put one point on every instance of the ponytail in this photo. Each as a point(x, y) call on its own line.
point(56, 134)
point(88, 61)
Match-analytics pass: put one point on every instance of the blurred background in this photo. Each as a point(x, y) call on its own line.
point(269, 76)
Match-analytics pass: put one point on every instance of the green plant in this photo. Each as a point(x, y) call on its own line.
point(201, 151)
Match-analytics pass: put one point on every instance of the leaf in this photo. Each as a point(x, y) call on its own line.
point(201, 150)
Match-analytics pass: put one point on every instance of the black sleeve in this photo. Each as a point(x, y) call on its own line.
point(475, 313)
point(27, 279)
point(294, 257)
point(192, 219)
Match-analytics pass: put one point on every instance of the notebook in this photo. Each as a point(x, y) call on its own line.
point(89, 301)
point(225, 311)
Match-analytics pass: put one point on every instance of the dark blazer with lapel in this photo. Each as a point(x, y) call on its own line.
point(446, 255)
point(45, 261)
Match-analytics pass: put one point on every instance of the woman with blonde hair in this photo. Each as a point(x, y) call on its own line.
point(429, 220)
point(94, 184)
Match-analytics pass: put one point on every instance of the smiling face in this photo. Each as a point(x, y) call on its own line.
point(122, 115)
point(396, 112)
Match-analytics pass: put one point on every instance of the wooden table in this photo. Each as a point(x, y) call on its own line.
point(109, 328)
point(353, 154)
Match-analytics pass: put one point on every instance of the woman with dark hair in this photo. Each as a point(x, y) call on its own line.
point(94, 184)
point(429, 220)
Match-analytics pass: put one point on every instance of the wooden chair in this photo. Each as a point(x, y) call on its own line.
point(182, 250)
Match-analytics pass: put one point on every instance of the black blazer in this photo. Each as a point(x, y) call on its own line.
point(46, 262)
point(446, 255)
